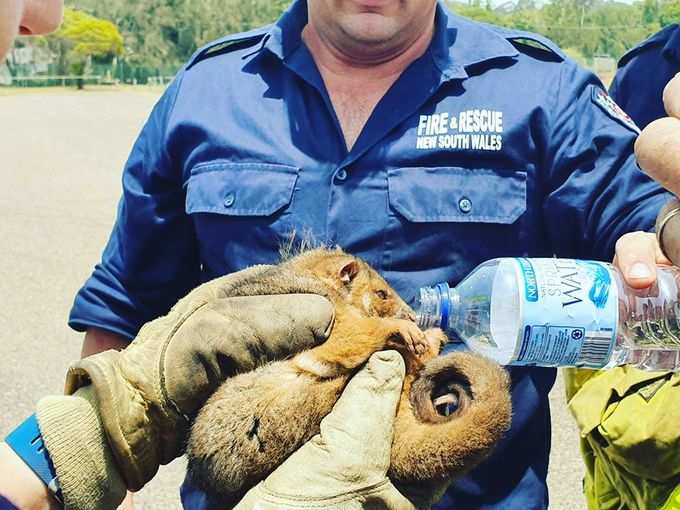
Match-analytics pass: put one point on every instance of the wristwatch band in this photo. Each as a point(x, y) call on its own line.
point(27, 443)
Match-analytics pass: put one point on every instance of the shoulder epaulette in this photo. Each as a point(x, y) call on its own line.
point(538, 42)
point(228, 44)
point(519, 38)
point(657, 39)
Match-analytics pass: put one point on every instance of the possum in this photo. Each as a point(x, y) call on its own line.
point(452, 411)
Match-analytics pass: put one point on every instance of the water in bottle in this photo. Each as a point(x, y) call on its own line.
point(559, 312)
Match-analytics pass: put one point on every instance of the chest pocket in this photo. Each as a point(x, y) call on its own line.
point(458, 217)
point(449, 194)
point(240, 211)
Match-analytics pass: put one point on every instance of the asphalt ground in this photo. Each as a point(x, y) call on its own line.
point(61, 155)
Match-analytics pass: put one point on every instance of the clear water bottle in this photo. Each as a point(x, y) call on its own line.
point(559, 312)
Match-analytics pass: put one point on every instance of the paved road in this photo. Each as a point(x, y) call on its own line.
point(62, 153)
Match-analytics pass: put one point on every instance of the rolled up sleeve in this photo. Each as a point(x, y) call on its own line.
point(151, 258)
point(595, 189)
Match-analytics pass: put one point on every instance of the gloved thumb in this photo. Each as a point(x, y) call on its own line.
point(361, 422)
point(352, 451)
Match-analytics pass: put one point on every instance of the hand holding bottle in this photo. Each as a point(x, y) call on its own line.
point(658, 152)
point(658, 146)
point(560, 312)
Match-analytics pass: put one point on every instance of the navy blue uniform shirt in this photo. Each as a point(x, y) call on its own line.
point(491, 144)
point(643, 74)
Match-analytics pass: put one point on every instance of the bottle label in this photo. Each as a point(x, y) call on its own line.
point(569, 312)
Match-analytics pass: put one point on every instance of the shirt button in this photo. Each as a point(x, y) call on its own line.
point(229, 200)
point(341, 175)
point(465, 205)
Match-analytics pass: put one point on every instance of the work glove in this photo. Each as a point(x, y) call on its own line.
point(344, 467)
point(147, 393)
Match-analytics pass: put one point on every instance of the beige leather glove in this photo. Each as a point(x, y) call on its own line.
point(147, 393)
point(345, 466)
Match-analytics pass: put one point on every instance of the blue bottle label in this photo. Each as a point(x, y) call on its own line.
point(569, 312)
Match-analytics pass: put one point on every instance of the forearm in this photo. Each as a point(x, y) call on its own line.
point(19, 485)
point(98, 340)
point(71, 450)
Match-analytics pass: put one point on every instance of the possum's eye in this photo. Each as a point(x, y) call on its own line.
point(381, 294)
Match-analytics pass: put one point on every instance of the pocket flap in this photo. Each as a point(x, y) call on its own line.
point(453, 194)
point(240, 189)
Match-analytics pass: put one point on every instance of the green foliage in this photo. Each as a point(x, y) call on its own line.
point(162, 34)
point(575, 55)
point(587, 27)
point(88, 36)
point(669, 12)
point(81, 38)
point(479, 13)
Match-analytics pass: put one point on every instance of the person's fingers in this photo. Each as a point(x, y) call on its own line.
point(667, 229)
point(671, 97)
point(661, 258)
point(637, 254)
point(230, 335)
point(291, 322)
point(356, 437)
point(657, 151)
point(352, 451)
point(366, 410)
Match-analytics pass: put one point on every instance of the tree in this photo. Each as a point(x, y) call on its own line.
point(82, 37)
point(669, 12)
point(485, 15)
point(165, 33)
point(160, 35)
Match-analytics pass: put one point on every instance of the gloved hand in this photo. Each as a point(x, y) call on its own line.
point(146, 393)
point(345, 466)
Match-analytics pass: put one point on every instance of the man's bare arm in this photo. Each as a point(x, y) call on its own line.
point(98, 340)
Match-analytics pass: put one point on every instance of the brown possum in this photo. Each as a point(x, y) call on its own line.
point(453, 409)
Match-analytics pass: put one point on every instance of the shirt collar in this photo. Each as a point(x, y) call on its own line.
point(457, 42)
point(285, 35)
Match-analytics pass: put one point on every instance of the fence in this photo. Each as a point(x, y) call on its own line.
point(55, 80)
point(122, 72)
point(31, 75)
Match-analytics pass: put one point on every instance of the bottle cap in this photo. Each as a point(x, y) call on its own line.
point(444, 300)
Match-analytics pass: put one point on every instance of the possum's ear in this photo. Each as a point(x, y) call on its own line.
point(348, 271)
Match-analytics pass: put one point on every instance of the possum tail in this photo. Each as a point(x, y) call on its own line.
point(458, 409)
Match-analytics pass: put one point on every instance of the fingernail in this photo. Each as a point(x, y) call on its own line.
point(639, 271)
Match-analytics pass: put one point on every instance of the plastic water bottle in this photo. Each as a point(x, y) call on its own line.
point(559, 312)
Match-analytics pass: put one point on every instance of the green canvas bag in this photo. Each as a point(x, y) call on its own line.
point(629, 422)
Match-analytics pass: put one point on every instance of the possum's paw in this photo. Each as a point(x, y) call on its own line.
point(435, 339)
point(409, 334)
